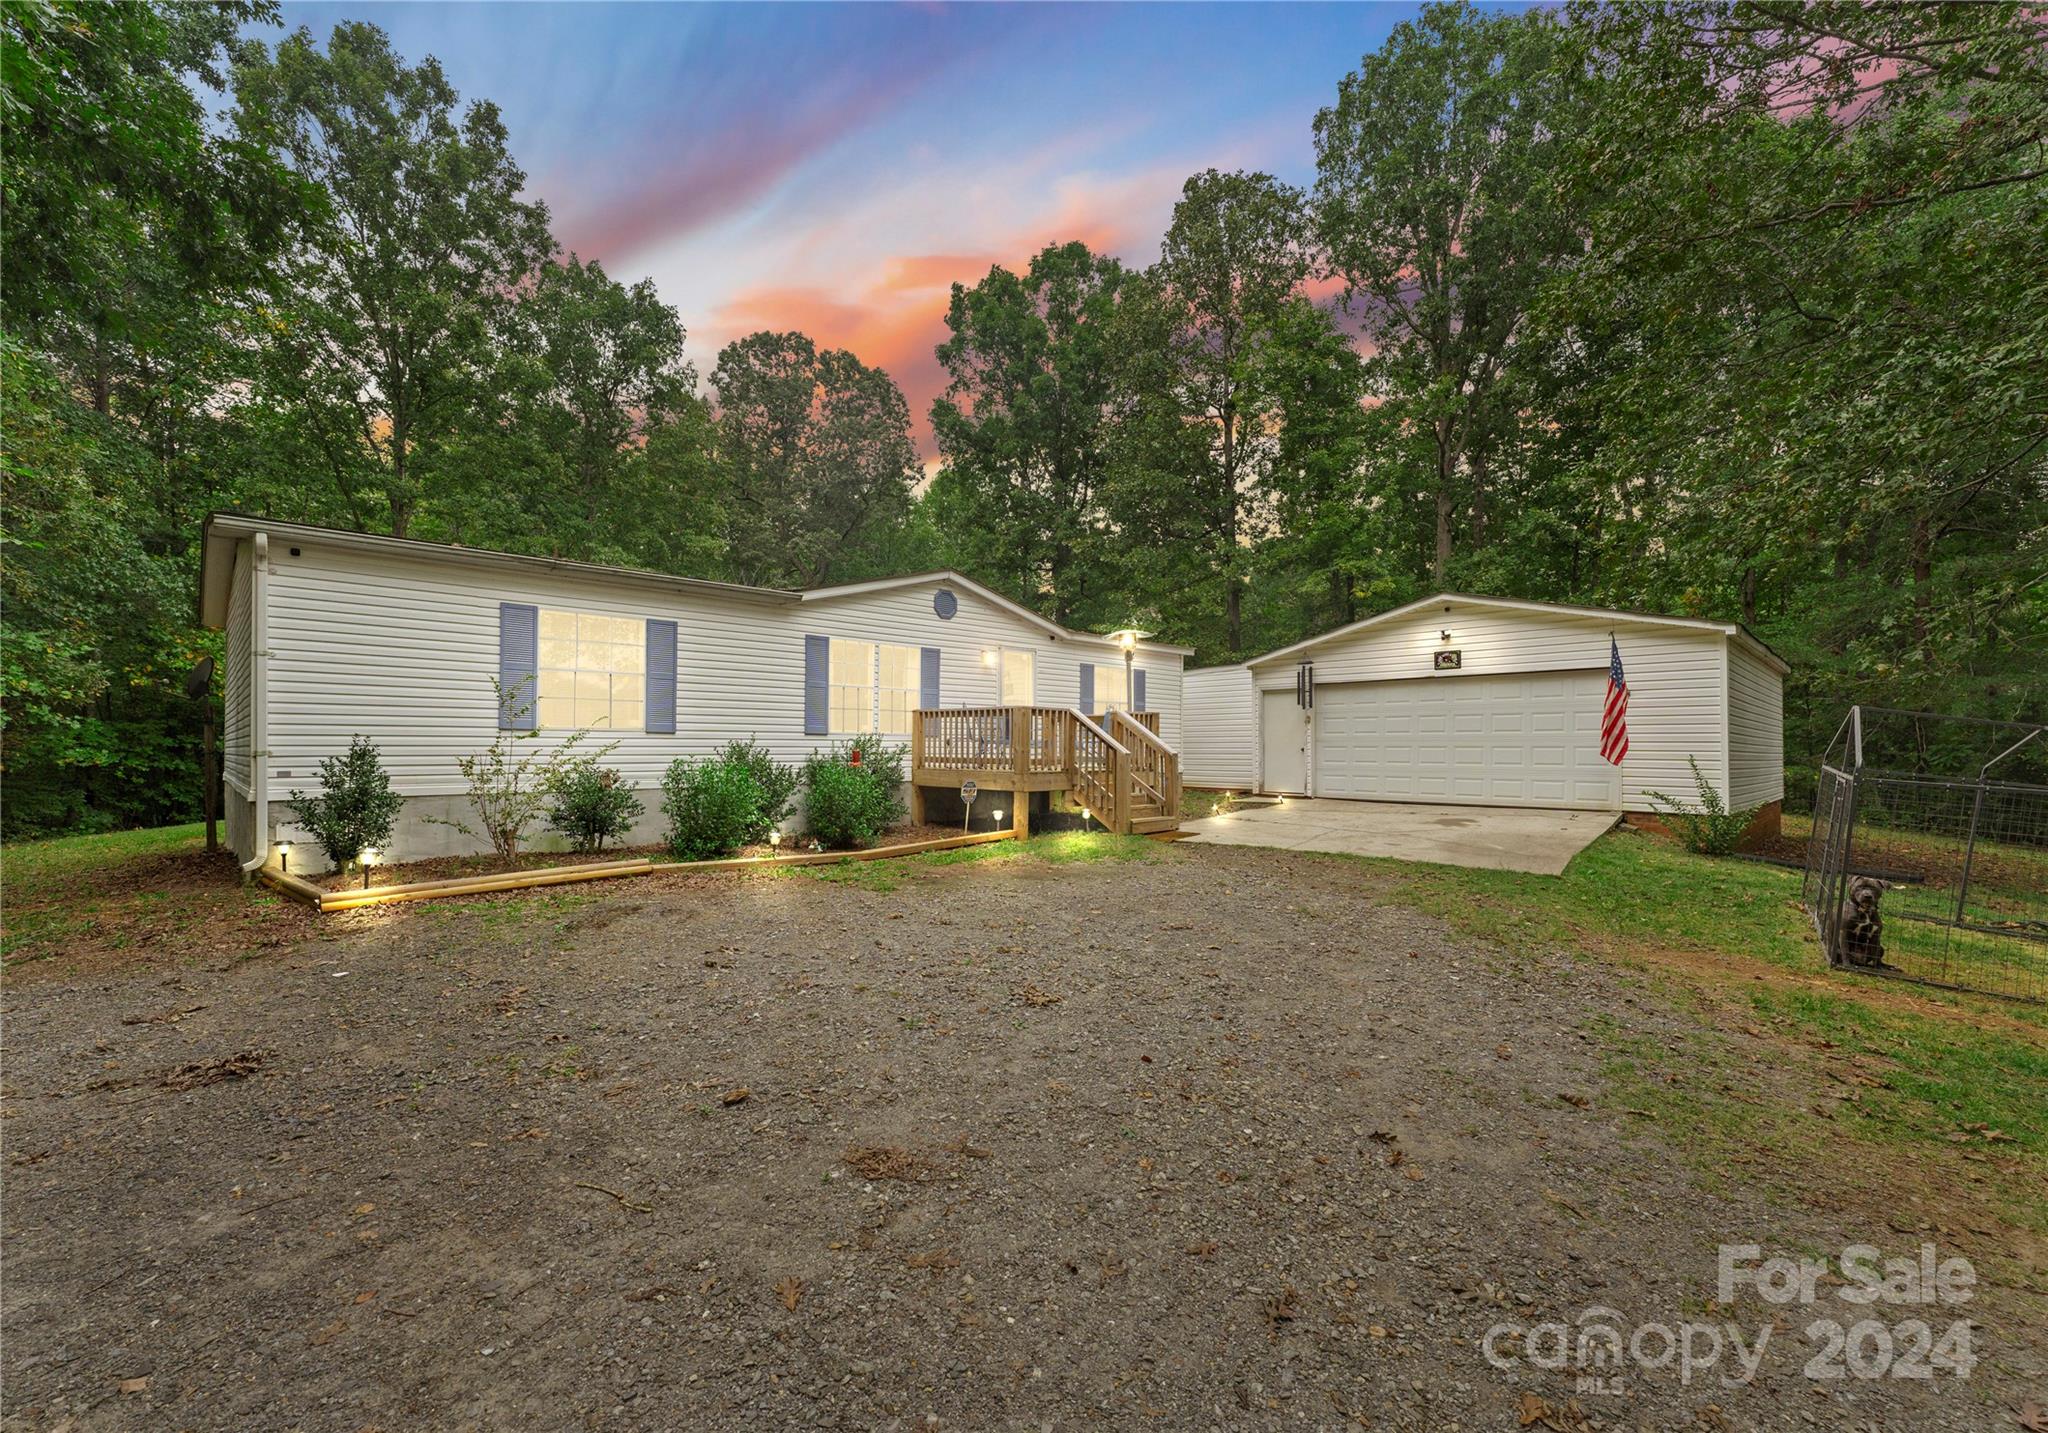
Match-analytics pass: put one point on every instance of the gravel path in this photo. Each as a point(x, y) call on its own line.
point(1207, 1140)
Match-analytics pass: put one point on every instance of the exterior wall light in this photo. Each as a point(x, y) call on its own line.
point(988, 657)
point(1447, 636)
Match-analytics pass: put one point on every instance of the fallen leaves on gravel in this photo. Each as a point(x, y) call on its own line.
point(1535, 1412)
point(1029, 994)
point(2032, 1417)
point(214, 1072)
point(734, 1097)
point(791, 1292)
point(885, 1161)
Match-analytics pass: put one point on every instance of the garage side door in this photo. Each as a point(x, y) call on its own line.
point(1486, 741)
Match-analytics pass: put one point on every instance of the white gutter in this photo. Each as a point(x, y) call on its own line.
point(259, 696)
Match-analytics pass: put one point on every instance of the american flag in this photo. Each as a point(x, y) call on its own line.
point(1614, 715)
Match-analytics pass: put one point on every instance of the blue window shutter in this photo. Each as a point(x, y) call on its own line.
point(1088, 687)
point(1137, 689)
point(817, 700)
point(661, 675)
point(928, 679)
point(519, 666)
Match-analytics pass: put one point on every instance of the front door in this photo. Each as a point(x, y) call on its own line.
point(1283, 742)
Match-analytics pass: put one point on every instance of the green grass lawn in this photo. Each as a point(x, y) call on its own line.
point(1954, 1072)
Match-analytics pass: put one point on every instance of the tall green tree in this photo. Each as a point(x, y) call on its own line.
point(1200, 339)
point(814, 458)
point(1438, 197)
point(1023, 424)
point(1818, 312)
point(379, 333)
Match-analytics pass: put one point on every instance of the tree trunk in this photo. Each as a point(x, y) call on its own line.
point(1478, 462)
point(1443, 499)
point(1923, 586)
point(1233, 615)
point(1749, 585)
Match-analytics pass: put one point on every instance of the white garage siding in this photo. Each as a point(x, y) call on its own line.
point(1220, 728)
point(1487, 740)
point(401, 648)
point(1677, 674)
point(1756, 729)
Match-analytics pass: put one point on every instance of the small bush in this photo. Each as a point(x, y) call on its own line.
point(509, 780)
point(847, 805)
point(711, 806)
point(1713, 829)
point(776, 779)
point(592, 805)
point(356, 805)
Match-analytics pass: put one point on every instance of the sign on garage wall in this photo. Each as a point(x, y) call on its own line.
point(1450, 661)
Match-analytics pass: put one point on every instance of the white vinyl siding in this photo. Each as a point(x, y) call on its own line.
point(593, 672)
point(1676, 677)
point(237, 678)
point(1220, 727)
point(1756, 730)
point(403, 650)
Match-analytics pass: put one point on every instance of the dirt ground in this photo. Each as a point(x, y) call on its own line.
point(1205, 1140)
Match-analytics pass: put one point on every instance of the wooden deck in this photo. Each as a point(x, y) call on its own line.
point(1114, 763)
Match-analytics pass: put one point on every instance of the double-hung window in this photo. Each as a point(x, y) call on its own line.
point(873, 687)
point(1112, 690)
point(592, 670)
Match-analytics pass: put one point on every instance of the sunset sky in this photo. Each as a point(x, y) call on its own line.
point(834, 168)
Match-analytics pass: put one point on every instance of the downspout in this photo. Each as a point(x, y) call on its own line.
point(259, 697)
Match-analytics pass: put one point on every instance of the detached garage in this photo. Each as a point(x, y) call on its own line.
point(1496, 702)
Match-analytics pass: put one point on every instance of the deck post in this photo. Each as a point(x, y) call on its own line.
point(916, 766)
point(1020, 771)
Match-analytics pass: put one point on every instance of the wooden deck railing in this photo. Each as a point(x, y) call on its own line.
point(1114, 764)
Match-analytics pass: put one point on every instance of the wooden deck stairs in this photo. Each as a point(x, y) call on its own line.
point(1113, 765)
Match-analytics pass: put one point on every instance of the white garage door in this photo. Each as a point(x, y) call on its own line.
point(1486, 741)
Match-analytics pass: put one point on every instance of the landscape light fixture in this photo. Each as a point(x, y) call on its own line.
point(998, 815)
point(369, 859)
point(284, 856)
point(1084, 818)
point(775, 838)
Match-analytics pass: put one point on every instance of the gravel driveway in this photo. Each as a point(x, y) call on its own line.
point(1204, 1140)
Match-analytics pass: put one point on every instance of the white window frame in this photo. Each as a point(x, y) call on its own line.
point(609, 655)
point(1008, 661)
point(864, 707)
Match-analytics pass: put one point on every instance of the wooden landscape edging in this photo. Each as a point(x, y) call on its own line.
point(323, 900)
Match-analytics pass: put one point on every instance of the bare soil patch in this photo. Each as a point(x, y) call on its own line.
point(1209, 1139)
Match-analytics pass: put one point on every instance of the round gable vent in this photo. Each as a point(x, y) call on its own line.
point(945, 604)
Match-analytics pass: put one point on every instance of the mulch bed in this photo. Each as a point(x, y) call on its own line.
point(442, 868)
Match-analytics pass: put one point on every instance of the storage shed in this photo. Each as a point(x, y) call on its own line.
point(1496, 702)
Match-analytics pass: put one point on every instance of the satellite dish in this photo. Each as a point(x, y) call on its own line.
point(199, 681)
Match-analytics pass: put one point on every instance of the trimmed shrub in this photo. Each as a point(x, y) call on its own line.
point(1713, 829)
point(356, 806)
point(776, 779)
point(711, 806)
point(847, 805)
point(592, 805)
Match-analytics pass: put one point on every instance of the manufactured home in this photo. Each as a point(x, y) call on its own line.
point(1496, 702)
point(333, 634)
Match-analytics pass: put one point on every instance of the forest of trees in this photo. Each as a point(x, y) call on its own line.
point(1734, 310)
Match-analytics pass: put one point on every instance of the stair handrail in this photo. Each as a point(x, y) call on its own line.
point(1118, 771)
point(1166, 761)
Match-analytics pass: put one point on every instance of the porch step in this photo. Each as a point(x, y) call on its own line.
point(1146, 825)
